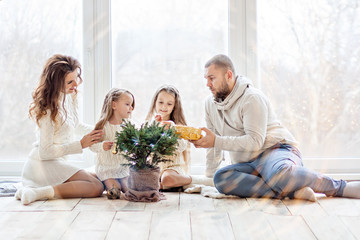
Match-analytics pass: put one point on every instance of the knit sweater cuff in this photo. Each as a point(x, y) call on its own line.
point(218, 142)
point(209, 172)
point(74, 148)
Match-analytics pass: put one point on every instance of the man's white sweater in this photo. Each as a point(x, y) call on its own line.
point(245, 125)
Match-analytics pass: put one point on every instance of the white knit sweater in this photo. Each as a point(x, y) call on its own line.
point(177, 162)
point(108, 165)
point(245, 125)
point(47, 163)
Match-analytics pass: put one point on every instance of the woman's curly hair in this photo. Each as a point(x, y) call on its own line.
point(52, 83)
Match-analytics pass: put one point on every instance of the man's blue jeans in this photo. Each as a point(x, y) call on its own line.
point(276, 173)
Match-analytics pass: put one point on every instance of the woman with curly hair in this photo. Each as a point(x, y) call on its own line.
point(47, 174)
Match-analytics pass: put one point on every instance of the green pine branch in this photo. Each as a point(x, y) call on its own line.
point(147, 146)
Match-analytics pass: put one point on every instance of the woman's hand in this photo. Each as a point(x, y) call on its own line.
point(93, 137)
point(107, 145)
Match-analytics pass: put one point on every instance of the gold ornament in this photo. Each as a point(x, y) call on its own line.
point(114, 149)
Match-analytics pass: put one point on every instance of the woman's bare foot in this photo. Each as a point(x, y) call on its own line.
point(305, 193)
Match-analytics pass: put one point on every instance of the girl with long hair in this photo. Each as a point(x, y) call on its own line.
point(166, 106)
point(118, 105)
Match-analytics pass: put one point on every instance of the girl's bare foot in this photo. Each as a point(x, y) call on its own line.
point(113, 193)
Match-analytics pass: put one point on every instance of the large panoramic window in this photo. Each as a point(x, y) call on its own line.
point(309, 55)
point(167, 43)
point(31, 32)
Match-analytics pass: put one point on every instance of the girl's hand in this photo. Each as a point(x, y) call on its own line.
point(93, 137)
point(107, 145)
point(167, 124)
point(158, 118)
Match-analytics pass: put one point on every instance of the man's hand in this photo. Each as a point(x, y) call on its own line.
point(205, 142)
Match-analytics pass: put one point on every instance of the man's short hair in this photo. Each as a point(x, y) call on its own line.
point(222, 61)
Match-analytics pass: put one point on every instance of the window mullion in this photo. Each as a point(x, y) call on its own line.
point(97, 56)
point(97, 61)
point(243, 38)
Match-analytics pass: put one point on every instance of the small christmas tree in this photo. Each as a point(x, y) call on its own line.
point(147, 146)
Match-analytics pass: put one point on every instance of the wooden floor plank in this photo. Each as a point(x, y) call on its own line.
point(14, 223)
point(210, 225)
point(36, 225)
point(328, 228)
point(339, 206)
point(267, 205)
point(170, 204)
point(301, 207)
point(90, 225)
point(104, 204)
point(59, 204)
point(251, 225)
point(290, 227)
point(11, 204)
point(189, 202)
point(170, 225)
point(181, 216)
point(352, 223)
point(232, 204)
point(355, 202)
point(130, 225)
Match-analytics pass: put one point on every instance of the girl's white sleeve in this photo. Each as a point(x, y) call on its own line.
point(49, 150)
point(97, 147)
point(182, 145)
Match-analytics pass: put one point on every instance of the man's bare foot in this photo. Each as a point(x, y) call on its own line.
point(352, 190)
point(202, 179)
point(305, 193)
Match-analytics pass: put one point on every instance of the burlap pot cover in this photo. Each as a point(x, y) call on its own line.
point(143, 185)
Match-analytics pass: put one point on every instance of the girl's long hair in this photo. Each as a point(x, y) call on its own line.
point(107, 111)
point(52, 83)
point(177, 115)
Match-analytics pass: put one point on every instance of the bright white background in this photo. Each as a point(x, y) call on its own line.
point(305, 57)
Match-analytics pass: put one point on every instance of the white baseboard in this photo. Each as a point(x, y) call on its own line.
point(11, 168)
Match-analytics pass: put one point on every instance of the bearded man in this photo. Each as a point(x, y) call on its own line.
point(264, 155)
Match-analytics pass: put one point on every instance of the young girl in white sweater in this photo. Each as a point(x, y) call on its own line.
point(166, 106)
point(118, 105)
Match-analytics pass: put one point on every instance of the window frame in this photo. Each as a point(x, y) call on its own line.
point(242, 50)
point(338, 168)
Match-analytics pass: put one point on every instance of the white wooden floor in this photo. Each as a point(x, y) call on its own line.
point(181, 216)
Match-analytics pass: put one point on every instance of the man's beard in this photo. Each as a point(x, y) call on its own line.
point(223, 92)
